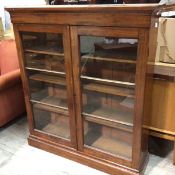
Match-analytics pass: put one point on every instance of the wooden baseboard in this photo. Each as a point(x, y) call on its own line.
point(81, 158)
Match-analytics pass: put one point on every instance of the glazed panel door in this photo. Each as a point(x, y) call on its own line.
point(47, 77)
point(105, 67)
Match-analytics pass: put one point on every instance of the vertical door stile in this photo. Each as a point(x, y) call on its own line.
point(104, 84)
point(70, 87)
point(46, 67)
point(77, 87)
point(25, 82)
point(140, 88)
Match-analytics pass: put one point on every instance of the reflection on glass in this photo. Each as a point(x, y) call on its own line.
point(108, 68)
point(107, 58)
point(43, 42)
point(46, 62)
point(117, 111)
point(43, 51)
point(50, 122)
point(48, 89)
point(108, 139)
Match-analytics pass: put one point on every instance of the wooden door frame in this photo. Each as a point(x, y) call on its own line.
point(141, 71)
point(142, 35)
point(64, 30)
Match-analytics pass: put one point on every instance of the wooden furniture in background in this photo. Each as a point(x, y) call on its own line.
point(163, 107)
point(84, 89)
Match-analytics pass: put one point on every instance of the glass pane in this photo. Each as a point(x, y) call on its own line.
point(43, 51)
point(46, 62)
point(108, 68)
point(111, 110)
point(51, 122)
point(48, 89)
point(108, 58)
point(45, 66)
point(108, 139)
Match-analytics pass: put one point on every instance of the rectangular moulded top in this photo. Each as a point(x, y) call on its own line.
point(124, 15)
point(139, 8)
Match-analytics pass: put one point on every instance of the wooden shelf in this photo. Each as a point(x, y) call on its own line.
point(115, 46)
point(48, 79)
point(51, 109)
point(44, 62)
point(109, 82)
point(45, 70)
point(53, 102)
point(109, 145)
point(109, 117)
point(110, 123)
point(109, 59)
point(120, 91)
point(120, 53)
point(57, 129)
point(45, 50)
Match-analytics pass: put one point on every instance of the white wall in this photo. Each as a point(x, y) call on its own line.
point(21, 2)
point(14, 3)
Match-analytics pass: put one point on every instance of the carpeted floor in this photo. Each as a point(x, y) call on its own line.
point(18, 158)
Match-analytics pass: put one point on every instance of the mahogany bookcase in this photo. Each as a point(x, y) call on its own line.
point(86, 81)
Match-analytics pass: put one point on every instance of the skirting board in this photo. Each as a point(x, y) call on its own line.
point(79, 157)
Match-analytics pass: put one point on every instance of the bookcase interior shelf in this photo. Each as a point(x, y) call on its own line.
point(52, 101)
point(48, 79)
point(44, 50)
point(108, 144)
point(124, 60)
point(124, 46)
point(51, 121)
point(57, 128)
point(45, 70)
point(49, 108)
point(109, 89)
point(108, 122)
point(107, 81)
point(112, 117)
